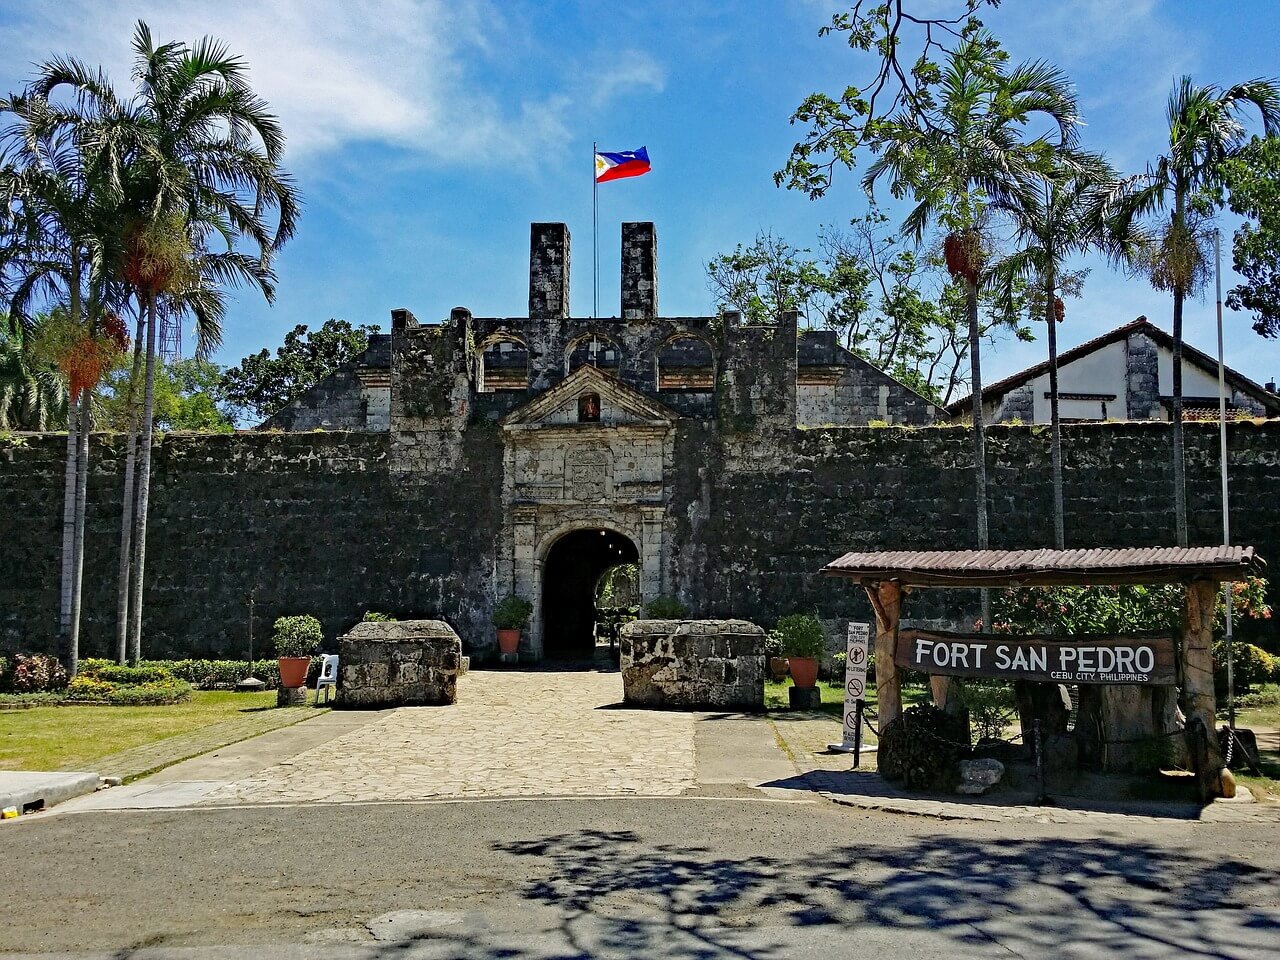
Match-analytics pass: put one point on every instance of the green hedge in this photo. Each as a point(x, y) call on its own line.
point(210, 674)
point(113, 673)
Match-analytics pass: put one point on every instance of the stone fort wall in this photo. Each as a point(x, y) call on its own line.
point(324, 523)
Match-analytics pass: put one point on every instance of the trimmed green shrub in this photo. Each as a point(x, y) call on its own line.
point(512, 613)
point(665, 608)
point(991, 706)
point(373, 616)
point(772, 644)
point(298, 636)
point(88, 688)
point(801, 635)
point(112, 673)
point(1253, 666)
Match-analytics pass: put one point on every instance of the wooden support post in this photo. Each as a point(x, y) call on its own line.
point(886, 599)
point(1198, 700)
point(946, 692)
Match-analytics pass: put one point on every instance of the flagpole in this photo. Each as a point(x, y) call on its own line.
point(1226, 512)
point(595, 236)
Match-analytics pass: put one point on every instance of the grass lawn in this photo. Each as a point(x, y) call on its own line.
point(775, 696)
point(1260, 718)
point(54, 738)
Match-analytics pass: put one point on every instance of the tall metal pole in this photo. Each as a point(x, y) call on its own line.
point(595, 235)
point(1222, 451)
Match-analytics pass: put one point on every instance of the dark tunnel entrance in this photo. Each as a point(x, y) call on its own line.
point(570, 575)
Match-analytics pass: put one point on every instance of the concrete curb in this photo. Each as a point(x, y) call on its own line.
point(39, 790)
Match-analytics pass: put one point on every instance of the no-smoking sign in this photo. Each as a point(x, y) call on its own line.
point(857, 652)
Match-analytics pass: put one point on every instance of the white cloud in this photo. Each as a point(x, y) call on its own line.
point(423, 75)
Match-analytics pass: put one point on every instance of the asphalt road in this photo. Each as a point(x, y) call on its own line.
point(688, 878)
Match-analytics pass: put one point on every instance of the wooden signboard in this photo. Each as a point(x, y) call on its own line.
point(1140, 658)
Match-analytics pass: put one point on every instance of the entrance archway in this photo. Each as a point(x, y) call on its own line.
point(570, 574)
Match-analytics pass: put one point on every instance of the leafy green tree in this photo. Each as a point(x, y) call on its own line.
point(907, 40)
point(1252, 182)
point(1182, 187)
point(263, 383)
point(33, 393)
point(890, 305)
point(187, 397)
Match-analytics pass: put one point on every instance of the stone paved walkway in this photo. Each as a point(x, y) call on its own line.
point(128, 764)
point(509, 735)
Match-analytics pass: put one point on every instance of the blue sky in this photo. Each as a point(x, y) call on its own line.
point(425, 136)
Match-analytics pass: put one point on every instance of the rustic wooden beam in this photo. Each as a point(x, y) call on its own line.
point(886, 599)
point(1198, 700)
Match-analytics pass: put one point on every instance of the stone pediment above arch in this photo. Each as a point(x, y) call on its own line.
point(618, 404)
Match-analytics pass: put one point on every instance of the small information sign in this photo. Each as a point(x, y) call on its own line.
point(857, 653)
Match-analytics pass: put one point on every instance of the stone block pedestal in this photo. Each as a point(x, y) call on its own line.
point(693, 663)
point(398, 664)
point(804, 698)
point(291, 696)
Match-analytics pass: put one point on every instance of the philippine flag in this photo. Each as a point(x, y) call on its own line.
point(615, 166)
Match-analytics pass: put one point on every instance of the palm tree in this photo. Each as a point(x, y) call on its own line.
point(61, 194)
point(1070, 214)
point(963, 156)
point(1205, 130)
point(209, 172)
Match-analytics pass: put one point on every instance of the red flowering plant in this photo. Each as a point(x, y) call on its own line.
point(31, 673)
point(1130, 608)
point(1127, 608)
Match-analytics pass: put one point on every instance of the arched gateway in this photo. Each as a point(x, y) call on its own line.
point(583, 492)
point(572, 570)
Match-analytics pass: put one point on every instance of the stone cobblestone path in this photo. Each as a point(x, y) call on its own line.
point(509, 735)
point(149, 757)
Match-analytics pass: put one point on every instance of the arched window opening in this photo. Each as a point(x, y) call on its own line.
point(686, 363)
point(597, 351)
point(504, 366)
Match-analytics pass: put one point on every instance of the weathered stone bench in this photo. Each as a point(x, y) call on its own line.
point(404, 663)
point(693, 663)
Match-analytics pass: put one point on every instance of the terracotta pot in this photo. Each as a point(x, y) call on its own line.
point(509, 641)
point(804, 670)
point(778, 668)
point(293, 671)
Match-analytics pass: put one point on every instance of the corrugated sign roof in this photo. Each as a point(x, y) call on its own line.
point(1001, 568)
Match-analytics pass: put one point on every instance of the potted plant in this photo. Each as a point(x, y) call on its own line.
point(296, 639)
point(777, 662)
point(511, 617)
point(803, 642)
point(665, 608)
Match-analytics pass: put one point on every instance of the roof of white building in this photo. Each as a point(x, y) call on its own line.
point(1142, 325)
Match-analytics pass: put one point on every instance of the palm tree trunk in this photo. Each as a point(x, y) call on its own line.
point(1179, 464)
point(82, 506)
point(979, 433)
point(70, 486)
point(1055, 424)
point(127, 501)
point(68, 525)
point(144, 490)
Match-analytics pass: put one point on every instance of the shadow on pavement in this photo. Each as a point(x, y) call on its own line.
point(1037, 898)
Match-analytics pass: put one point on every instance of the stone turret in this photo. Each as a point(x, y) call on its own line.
point(639, 271)
point(548, 271)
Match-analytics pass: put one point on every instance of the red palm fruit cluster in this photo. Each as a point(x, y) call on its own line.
point(961, 255)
